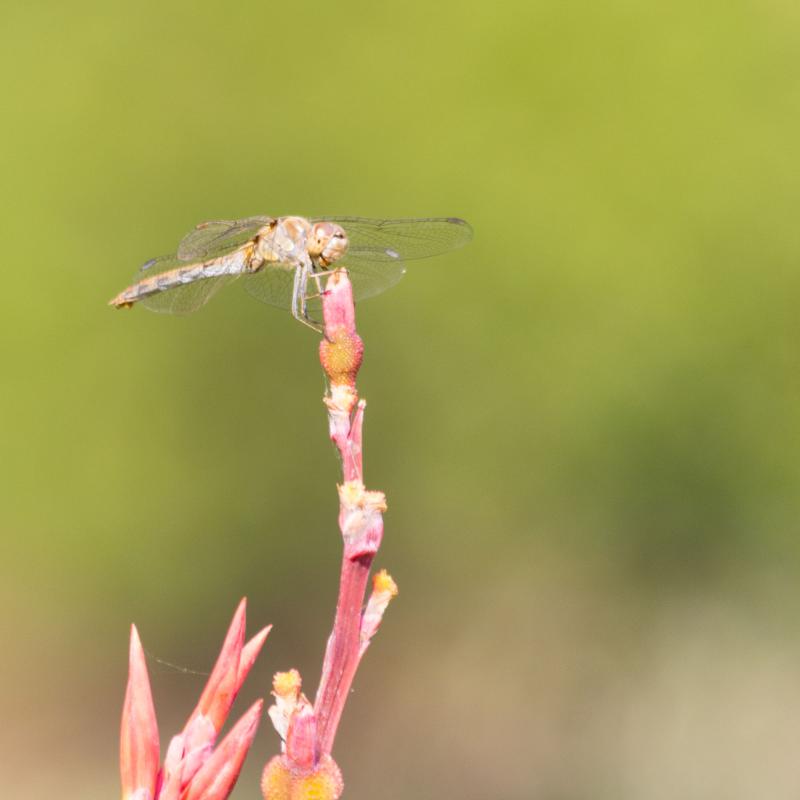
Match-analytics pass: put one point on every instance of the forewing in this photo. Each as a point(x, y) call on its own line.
point(378, 247)
point(388, 240)
point(218, 237)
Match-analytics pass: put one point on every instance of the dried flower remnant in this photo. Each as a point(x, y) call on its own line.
point(384, 589)
point(194, 769)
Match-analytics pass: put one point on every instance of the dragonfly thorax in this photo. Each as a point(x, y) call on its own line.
point(284, 240)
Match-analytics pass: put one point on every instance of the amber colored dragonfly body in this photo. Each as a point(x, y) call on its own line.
point(280, 260)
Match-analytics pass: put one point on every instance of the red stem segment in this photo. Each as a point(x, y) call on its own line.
point(344, 645)
point(360, 514)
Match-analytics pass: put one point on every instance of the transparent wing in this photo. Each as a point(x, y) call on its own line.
point(388, 240)
point(272, 285)
point(372, 277)
point(185, 297)
point(218, 237)
point(378, 247)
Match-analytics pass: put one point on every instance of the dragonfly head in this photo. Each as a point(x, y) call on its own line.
point(327, 242)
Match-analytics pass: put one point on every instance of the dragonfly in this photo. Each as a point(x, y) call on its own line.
point(281, 260)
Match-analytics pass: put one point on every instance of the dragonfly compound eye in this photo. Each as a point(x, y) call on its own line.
point(330, 242)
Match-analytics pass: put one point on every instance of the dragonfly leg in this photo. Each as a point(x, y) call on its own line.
point(320, 290)
point(300, 301)
point(296, 292)
point(316, 276)
point(325, 273)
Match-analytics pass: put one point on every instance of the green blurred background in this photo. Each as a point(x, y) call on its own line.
point(586, 422)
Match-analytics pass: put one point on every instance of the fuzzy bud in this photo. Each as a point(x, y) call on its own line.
point(342, 350)
point(282, 780)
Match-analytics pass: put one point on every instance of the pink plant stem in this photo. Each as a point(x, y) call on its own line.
point(360, 515)
point(305, 769)
point(343, 649)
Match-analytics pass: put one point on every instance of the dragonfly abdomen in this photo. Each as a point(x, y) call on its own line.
point(234, 264)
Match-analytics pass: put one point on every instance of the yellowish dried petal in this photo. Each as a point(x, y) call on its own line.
point(352, 494)
point(383, 583)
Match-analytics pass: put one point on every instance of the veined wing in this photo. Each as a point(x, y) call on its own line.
point(378, 247)
point(272, 284)
point(218, 237)
point(404, 239)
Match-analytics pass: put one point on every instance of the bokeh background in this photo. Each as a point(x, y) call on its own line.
point(586, 422)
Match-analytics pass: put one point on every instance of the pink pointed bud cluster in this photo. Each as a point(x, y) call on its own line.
point(300, 772)
point(195, 766)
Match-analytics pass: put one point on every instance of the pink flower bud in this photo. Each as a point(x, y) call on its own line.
point(217, 777)
point(342, 350)
point(301, 739)
point(139, 745)
point(233, 664)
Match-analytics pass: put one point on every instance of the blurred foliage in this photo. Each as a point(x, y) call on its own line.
point(589, 415)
